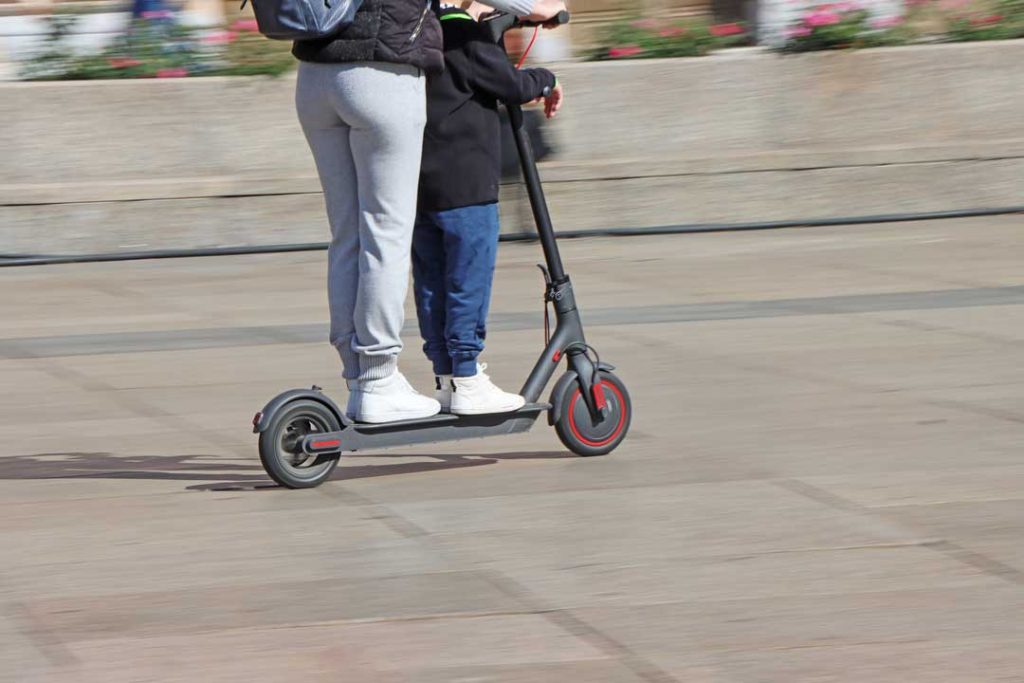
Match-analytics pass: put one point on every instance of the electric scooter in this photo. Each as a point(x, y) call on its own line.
point(303, 433)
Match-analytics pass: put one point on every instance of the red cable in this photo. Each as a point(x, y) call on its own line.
point(536, 30)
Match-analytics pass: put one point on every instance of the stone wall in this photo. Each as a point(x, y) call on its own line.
point(741, 136)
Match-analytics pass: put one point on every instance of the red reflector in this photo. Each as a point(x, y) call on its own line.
point(256, 419)
point(558, 355)
point(334, 443)
point(599, 399)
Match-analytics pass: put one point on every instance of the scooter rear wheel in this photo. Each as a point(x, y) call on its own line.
point(281, 445)
point(577, 429)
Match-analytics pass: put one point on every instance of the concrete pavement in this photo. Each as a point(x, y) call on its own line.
point(823, 482)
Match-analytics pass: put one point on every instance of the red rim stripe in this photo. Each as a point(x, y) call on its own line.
point(618, 429)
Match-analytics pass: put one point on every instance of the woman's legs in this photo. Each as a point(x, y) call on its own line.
point(364, 123)
point(385, 104)
point(328, 138)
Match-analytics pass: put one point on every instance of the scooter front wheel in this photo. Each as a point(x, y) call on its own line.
point(281, 444)
point(576, 427)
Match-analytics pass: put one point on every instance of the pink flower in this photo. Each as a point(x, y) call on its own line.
point(176, 72)
point(886, 22)
point(673, 32)
point(123, 62)
point(245, 25)
point(645, 24)
point(624, 51)
point(798, 32)
point(158, 14)
point(721, 30)
point(822, 18)
point(219, 37)
point(986, 21)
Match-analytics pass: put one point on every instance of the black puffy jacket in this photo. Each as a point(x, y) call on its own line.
point(394, 31)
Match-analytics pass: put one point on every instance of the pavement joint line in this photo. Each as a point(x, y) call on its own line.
point(820, 495)
point(955, 551)
point(973, 409)
point(977, 560)
point(578, 627)
point(138, 406)
point(952, 331)
point(644, 339)
point(875, 270)
point(43, 639)
point(379, 512)
point(205, 338)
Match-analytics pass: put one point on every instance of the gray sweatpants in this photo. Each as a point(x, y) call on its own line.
point(364, 123)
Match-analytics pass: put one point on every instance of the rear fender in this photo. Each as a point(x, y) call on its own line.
point(262, 419)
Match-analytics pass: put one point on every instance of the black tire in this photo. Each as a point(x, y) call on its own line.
point(279, 452)
point(577, 429)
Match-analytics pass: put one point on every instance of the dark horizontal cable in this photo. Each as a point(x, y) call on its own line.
point(13, 260)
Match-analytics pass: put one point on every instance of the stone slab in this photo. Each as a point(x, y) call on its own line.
point(821, 480)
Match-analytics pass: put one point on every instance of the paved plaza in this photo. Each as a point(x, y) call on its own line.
point(824, 479)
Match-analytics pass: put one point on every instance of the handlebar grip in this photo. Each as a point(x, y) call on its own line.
point(557, 20)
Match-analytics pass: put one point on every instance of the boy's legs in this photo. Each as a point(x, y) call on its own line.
point(429, 273)
point(470, 245)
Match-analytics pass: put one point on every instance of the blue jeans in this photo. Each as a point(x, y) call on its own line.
point(453, 255)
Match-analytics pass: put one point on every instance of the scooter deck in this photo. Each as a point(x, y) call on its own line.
point(359, 436)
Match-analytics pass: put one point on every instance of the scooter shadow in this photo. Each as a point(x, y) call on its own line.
point(100, 465)
point(218, 475)
point(436, 462)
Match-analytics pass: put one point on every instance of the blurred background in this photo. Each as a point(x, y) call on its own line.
point(171, 126)
point(797, 232)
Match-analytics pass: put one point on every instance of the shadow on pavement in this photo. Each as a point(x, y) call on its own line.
point(99, 465)
point(228, 476)
point(437, 462)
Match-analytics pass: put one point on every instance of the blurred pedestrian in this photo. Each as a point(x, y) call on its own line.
point(361, 102)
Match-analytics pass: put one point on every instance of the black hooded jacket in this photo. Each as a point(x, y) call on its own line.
point(393, 31)
point(462, 141)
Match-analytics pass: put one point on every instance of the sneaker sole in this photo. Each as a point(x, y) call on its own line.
point(397, 416)
point(490, 411)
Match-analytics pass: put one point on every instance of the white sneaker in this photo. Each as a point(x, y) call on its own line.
point(477, 395)
point(391, 399)
point(443, 392)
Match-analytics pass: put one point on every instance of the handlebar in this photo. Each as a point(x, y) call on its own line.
point(497, 23)
point(557, 20)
